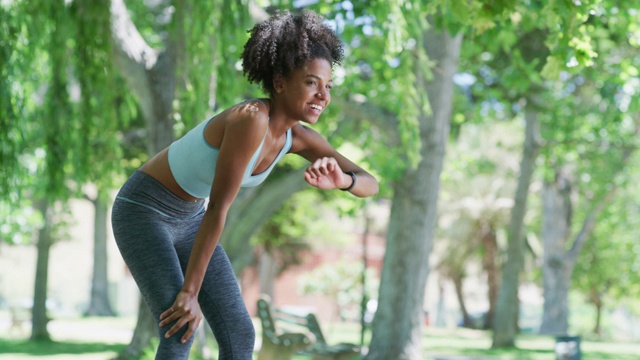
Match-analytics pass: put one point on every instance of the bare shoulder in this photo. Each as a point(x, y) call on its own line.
point(252, 112)
point(245, 118)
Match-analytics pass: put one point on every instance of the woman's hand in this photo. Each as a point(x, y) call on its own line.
point(185, 310)
point(325, 174)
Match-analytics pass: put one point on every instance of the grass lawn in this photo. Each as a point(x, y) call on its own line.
point(101, 339)
point(477, 344)
point(73, 339)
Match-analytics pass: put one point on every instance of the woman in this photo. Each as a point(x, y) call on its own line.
point(167, 238)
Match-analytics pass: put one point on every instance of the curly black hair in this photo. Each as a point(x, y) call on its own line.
point(286, 41)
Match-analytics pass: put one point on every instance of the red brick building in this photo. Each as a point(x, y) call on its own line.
point(286, 288)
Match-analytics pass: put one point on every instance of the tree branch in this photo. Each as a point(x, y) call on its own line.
point(132, 55)
point(590, 222)
point(364, 111)
point(128, 41)
point(589, 225)
point(252, 210)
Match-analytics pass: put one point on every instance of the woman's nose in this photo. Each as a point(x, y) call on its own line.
point(322, 93)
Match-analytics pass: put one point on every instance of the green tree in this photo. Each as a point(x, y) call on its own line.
point(57, 114)
point(517, 66)
point(511, 74)
point(613, 242)
point(587, 159)
point(410, 113)
point(395, 333)
point(99, 303)
point(477, 184)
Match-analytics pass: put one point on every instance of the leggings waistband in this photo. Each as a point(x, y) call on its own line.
point(144, 190)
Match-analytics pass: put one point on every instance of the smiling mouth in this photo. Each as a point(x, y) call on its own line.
point(316, 107)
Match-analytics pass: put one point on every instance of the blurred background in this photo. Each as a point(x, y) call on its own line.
point(504, 135)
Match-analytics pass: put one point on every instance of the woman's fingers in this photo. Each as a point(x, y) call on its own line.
point(170, 311)
point(176, 327)
point(324, 173)
point(323, 166)
point(181, 318)
point(193, 326)
point(168, 317)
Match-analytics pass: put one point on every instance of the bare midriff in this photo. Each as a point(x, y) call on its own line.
point(158, 168)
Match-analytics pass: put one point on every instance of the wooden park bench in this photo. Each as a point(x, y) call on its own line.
point(281, 343)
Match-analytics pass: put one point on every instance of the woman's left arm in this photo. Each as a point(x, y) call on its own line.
point(329, 169)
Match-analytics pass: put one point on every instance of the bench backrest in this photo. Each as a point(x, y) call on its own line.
point(269, 316)
point(266, 318)
point(314, 326)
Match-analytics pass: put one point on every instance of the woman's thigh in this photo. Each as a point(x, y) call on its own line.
point(145, 242)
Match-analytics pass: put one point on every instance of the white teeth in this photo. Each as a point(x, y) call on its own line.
point(317, 107)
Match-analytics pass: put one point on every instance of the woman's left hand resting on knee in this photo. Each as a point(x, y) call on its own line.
point(185, 310)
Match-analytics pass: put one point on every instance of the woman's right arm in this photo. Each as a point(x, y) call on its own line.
point(240, 140)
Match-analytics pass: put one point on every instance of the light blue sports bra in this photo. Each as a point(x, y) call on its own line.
point(193, 162)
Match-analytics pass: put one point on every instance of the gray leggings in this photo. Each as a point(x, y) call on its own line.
point(155, 230)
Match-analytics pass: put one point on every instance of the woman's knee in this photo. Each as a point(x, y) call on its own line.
point(241, 327)
point(248, 331)
point(246, 337)
point(172, 348)
point(236, 338)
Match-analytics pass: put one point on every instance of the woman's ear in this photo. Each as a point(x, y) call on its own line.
point(278, 83)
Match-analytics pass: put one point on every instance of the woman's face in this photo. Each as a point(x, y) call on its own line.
point(307, 90)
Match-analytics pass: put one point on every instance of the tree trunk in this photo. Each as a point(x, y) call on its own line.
point(596, 300)
point(397, 331)
point(151, 76)
point(505, 326)
point(457, 283)
point(252, 208)
point(145, 330)
point(99, 304)
point(489, 263)
point(440, 307)
point(39, 317)
point(365, 296)
point(558, 262)
point(267, 273)
point(597, 328)
point(556, 268)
